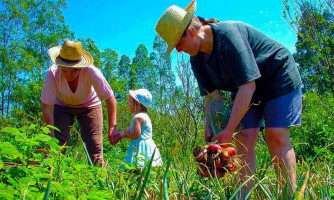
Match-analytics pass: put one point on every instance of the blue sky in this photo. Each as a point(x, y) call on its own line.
point(123, 25)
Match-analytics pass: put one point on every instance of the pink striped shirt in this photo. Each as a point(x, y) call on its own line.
point(92, 88)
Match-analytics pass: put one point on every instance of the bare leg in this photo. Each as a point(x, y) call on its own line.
point(246, 140)
point(282, 153)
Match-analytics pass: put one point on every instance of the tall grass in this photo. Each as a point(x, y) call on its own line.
point(180, 181)
point(70, 176)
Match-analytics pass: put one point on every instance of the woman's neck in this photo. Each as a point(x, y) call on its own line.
point(74, 80)
point(73, 84)
point(206, 36)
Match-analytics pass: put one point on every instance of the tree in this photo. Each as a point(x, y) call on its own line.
point(142, 69)
point(89, 45)
point(44, 27)
point(30, 104)
point(124, 78)
point(124, 66)
point(165, 75)
point(27, 30)
point(11, 19)
point(189, 104)
point(109, 60)
point(314, 23)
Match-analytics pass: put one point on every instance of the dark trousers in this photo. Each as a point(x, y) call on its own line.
point(91, 123)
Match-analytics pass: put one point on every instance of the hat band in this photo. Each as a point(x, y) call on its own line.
point(68, 61)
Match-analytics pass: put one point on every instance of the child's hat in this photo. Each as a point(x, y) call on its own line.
point(173, 23)
point(143, 96)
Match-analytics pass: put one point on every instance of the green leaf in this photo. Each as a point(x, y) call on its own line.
point(56, 187)
point(12, 181)
point(46, 130)
point(67, 176)
point(9, 151)
point(11, 130)
point(27, 142)
point(52, 127)
point(48, 162)
point(42, 137)
point(96, 193)
point(43, 176)
point(53, 143)
point(6, 192)
point(21, 138)
point(26, 181)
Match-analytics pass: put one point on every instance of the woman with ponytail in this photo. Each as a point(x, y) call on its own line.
point(260, 72)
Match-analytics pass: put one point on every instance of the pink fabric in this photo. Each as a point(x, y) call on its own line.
point(92, 88)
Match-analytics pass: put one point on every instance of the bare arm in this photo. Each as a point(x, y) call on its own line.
point(241, 104)
point(111, 109)
point(138, 122)
point(239, 109)
point(48, 116)
point(213, 102)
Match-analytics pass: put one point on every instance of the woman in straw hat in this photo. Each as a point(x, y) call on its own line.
point(74, 87)
point(236, 57)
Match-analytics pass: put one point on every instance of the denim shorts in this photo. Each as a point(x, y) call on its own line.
point(284, 111)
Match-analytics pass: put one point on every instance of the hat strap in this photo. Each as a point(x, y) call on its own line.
point(68, 61)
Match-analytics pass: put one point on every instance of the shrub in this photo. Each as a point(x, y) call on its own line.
point(317, 127)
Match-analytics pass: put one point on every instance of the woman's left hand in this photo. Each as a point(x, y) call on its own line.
point(224, 136)
point(114, 136)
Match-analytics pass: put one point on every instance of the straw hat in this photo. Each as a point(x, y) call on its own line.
point(70, 54)
point(173, 23)
point(143, 96)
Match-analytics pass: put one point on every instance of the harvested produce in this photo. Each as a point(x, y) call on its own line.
point(215, 160)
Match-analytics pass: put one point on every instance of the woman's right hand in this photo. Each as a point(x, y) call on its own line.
point(208, 135)
point(213, 102)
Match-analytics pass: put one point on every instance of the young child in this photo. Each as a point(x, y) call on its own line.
point(139, 132)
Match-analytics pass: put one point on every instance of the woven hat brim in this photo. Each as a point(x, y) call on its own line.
point(86, 59)
point(191, 8)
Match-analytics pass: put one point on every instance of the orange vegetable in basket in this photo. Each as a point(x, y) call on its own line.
point(224, 155)
point(215, 160)
point(231, 151)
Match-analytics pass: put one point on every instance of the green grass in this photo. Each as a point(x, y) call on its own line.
point(71, 176)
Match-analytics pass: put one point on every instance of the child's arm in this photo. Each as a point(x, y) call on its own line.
point(137, 124)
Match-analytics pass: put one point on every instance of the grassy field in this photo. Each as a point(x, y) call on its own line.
point(30, 174)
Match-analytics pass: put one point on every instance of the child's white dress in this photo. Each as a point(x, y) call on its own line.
point(141, 149)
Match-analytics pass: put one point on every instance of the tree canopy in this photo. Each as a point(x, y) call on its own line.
point(313, 22)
